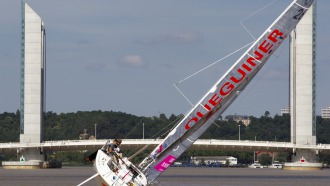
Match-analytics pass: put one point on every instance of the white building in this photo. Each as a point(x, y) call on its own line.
point(325, 113)
point(243, 118)
point(214, 159)
point(285, 110)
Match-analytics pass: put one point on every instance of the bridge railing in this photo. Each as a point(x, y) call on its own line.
point(100, 142)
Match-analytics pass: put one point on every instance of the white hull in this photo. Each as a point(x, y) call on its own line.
point(127, 174)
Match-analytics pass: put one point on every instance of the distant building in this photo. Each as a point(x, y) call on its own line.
point(214, 159)
point(325, 113)
point(285, 111)
point(244, 119)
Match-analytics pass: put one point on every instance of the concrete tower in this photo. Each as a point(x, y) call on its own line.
point(32, 81)
point(302, 91)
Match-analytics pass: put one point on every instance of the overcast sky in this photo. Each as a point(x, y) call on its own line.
point(126, 55)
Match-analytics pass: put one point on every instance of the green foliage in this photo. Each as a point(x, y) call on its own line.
point(323, 130)
point(281, 157)
point(9, 127)
point(265, 159)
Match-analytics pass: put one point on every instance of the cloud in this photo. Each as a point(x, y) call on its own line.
point(131, 60)
point(179, 38)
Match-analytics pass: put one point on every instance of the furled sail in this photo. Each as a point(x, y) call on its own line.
point(223, 92)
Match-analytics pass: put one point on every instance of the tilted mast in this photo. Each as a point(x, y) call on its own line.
point(223, 92)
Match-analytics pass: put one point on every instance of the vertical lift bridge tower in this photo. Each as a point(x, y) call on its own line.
point(302, 92)
point(32, 83)
point(32, 90)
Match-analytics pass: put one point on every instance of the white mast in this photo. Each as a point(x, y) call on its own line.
point(223, 92)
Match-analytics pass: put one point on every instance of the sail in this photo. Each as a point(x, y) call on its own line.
point(223, 92)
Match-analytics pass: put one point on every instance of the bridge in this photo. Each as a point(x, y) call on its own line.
point(135, 144)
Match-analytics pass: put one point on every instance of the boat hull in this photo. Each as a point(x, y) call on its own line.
point(126, 175)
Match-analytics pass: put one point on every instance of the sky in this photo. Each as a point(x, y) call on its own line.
point(127, 55)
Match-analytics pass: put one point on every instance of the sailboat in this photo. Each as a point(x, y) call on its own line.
point(127, 174)
point(208, 109)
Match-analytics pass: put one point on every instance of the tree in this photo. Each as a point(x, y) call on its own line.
point(265, 159)
point(267, 114)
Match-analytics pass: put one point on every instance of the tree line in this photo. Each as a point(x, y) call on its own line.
point(112, 124)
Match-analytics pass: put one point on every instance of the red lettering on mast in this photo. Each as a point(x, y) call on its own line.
point(264, 49)
point(240, 79)
point(195, 120)
point(265, 46)
point(215, 99)
point(274, 35)
point(246, 67)
point(226, 88)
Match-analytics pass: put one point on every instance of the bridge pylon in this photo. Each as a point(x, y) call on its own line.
point(32, 88)
point(302, 93)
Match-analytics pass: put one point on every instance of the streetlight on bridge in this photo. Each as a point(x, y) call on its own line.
point(95, 131)
point(239, 132)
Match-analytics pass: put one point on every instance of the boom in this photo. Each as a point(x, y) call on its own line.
point(223, 92)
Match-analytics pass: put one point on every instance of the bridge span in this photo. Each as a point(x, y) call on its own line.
point(135, 144)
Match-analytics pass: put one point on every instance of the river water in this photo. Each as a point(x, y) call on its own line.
point(174, 176)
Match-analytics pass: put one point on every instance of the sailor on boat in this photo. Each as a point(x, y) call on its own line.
point(108, 148)
point(114, 152)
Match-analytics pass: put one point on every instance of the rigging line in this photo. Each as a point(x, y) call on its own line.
point(138, 152)
point(182, 94)
point(214, 63)
point(134, 128)
point(241, 22)
point(177, 83)
point(178, 118)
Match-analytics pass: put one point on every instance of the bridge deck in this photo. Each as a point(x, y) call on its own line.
point(201, 144)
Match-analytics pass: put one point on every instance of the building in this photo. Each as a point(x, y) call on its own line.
point(285, 110)
point(208, 160)
point(244, 119)
point(325, 113)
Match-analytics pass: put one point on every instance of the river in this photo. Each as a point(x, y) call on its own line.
point(174, 176)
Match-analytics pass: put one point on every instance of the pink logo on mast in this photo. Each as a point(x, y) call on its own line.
point(160, 149)
point(163, 165)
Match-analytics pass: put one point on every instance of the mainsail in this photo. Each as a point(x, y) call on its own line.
point(223, 92)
